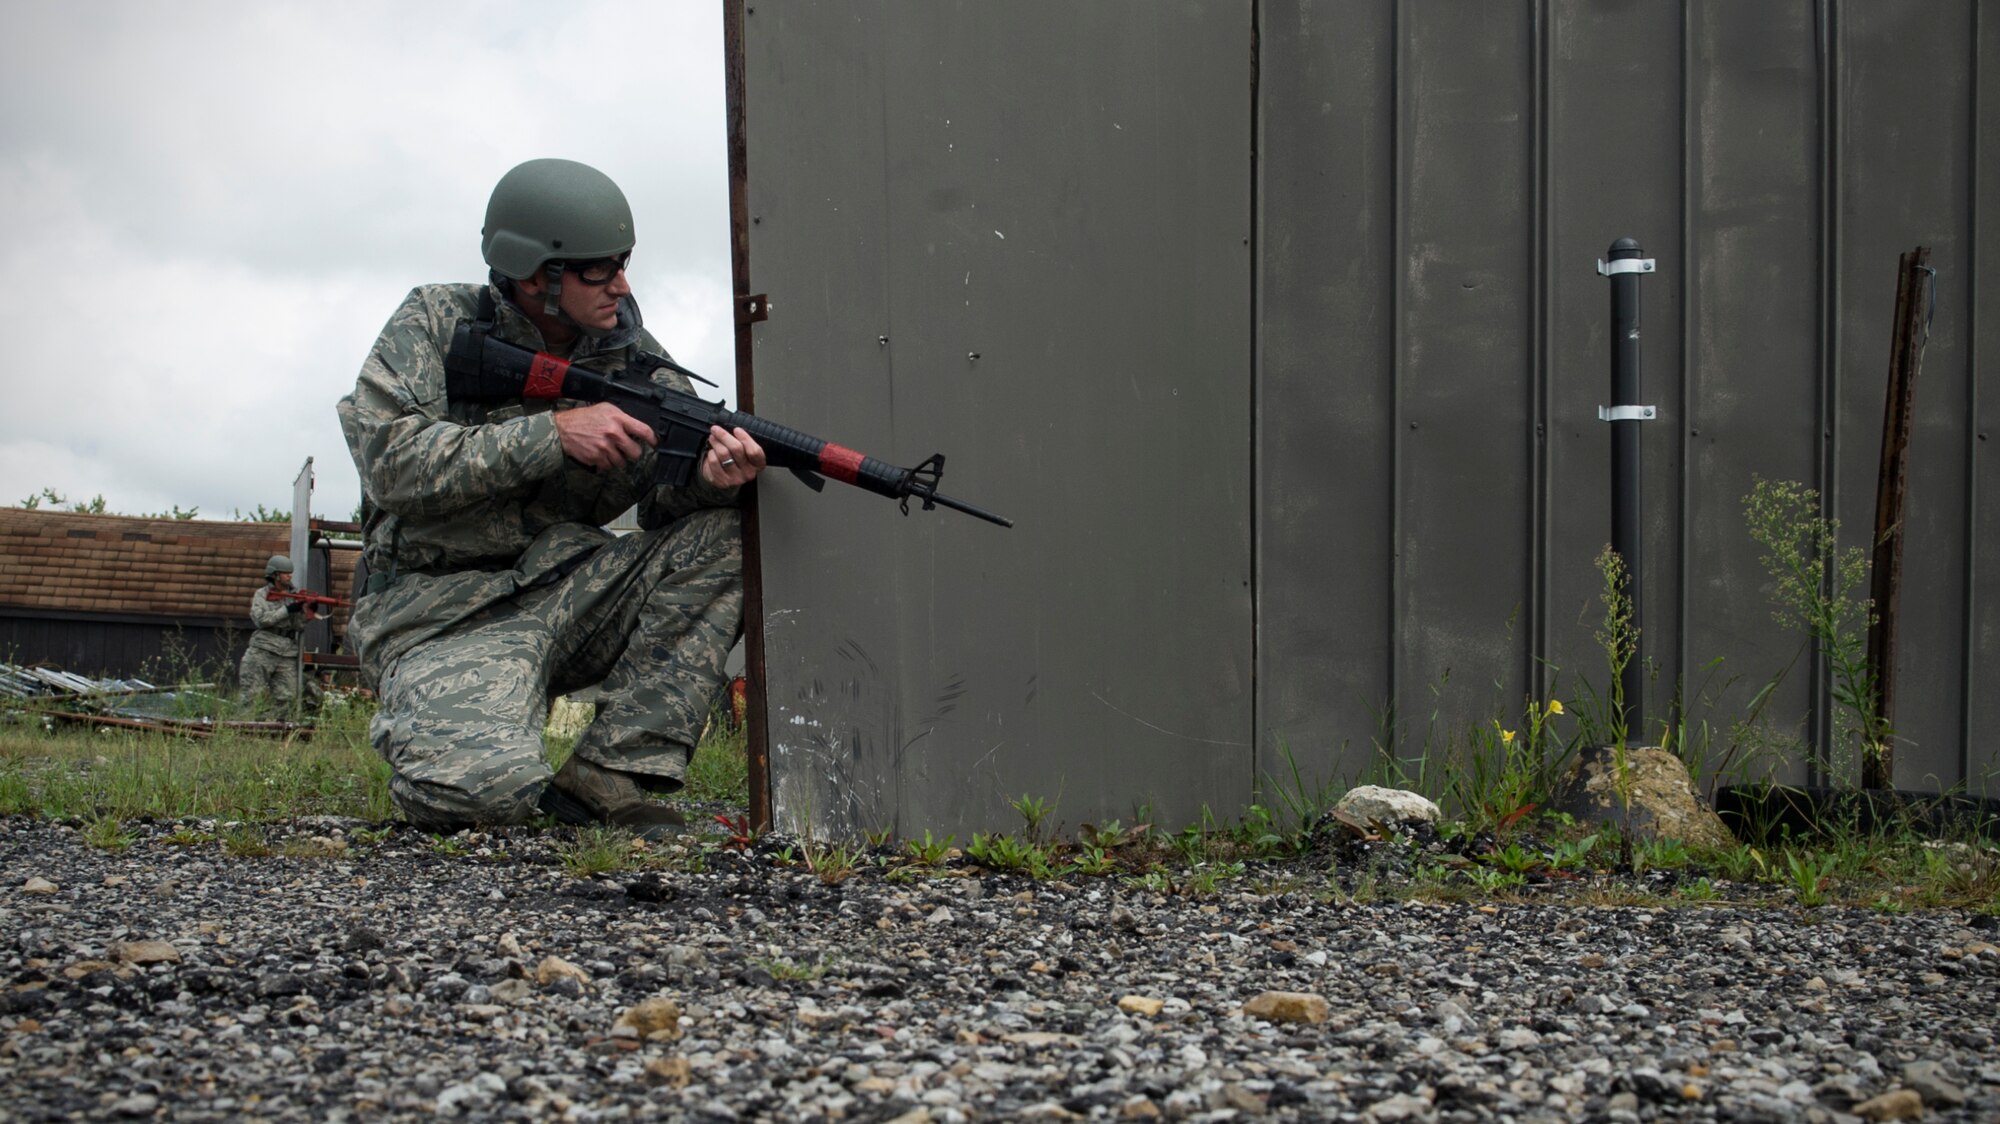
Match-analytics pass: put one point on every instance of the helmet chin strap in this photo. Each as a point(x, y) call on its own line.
point(552, 294)
point(552, 303)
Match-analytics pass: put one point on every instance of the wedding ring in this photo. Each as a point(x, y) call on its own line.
point(727, 461)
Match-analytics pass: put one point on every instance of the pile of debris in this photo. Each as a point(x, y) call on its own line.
point(56, 696)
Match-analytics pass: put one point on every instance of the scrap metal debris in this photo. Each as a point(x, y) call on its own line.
point(55, 695)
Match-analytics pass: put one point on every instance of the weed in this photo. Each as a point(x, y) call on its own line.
point(245, 841)
point(1260, 833)
point(1516, 859)
point(1204, 880)
point(929, 851)
point(1571, 854)
point(16, 797)
point(831, 863)
point(1699, 890)
point(596, 849)
point(1809, 875)
point(106, 834)
point(1660, 854)
point(1033, 810)
point(185, 836)
point(1094, 860)
point(1815, 584)
point(1742, 864)
point(1492, 881)
point(1619, 638)
point(785, 970)
point(1005, 852)
point(742, 836)
point(1111, 834)
point(1304, 802)
point(1394, 770)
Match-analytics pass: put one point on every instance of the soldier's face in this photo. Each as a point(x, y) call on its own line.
point(282, 580)
point(594, 306)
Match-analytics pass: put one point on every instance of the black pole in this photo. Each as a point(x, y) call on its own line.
point(1624, 265)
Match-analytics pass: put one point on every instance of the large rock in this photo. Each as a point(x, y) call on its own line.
point(1288, 1007)
point(1664, 802)
point(1371, 803)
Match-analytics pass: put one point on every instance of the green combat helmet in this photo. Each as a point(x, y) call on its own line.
point(279, 564)
point(548, 211)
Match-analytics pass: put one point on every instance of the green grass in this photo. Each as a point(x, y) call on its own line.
point(105, 780)
point(111, 775)
point(596, 850)
point(118, 774)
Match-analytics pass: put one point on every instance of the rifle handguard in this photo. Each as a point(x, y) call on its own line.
point(479, 368)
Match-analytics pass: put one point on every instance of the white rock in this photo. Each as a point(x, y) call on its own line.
point(1389, 806)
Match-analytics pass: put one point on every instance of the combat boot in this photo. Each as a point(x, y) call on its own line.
point(583, 793)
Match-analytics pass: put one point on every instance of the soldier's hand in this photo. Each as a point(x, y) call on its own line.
point(733, 459)
point(602, 435)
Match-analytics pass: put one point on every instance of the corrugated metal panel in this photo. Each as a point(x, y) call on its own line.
point(1980, 702)
point(1774, 159)
point(1327, 303)
point(1464, 390)
point(1018, 234)
point(1059, 189)
point(1905, 115)
point(1751, 405)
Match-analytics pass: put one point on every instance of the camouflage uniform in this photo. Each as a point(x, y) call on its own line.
point(271, 660)
point(494, 587)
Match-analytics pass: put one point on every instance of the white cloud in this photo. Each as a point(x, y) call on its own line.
point(214, 207)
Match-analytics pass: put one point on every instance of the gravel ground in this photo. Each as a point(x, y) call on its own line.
point(389, 978)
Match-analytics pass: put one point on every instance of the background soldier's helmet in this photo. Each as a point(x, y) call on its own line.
point(553, 210)
point(279, 564)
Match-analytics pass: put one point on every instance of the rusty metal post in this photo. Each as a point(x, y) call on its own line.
point(750, 308)
point(1916, 295)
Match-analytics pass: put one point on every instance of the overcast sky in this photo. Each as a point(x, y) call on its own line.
point(210, 209)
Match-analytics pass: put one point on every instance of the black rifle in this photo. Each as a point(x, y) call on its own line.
point(480, 368)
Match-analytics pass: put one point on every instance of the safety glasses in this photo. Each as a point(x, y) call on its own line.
point(598, 271)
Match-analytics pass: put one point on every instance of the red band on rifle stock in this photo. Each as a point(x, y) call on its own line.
point(545, 376)
point(840, 462)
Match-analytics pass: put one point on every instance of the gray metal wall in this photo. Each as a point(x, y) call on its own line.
point(1290, 345)
point(1437, 181)
point(1062, 191)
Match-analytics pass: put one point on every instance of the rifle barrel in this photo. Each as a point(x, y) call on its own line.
point(969, 509)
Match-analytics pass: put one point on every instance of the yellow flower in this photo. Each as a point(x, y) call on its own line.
point(1555, 706)
point(1507, 737)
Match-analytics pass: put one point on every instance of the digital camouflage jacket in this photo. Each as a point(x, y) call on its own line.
point(278, 628)
point(465, 504)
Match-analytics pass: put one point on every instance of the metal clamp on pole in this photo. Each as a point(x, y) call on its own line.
point(1624, 265)
point(1627, 413)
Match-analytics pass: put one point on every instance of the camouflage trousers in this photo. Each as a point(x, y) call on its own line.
point(274, 677)
point(649, 618)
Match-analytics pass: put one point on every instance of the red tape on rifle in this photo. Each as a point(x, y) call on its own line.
point(840, 462)
point(545, 376)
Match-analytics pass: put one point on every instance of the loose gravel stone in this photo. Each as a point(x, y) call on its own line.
point(404, 980)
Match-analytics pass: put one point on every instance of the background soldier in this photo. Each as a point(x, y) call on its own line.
point(270, 666)
point(493, 586)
